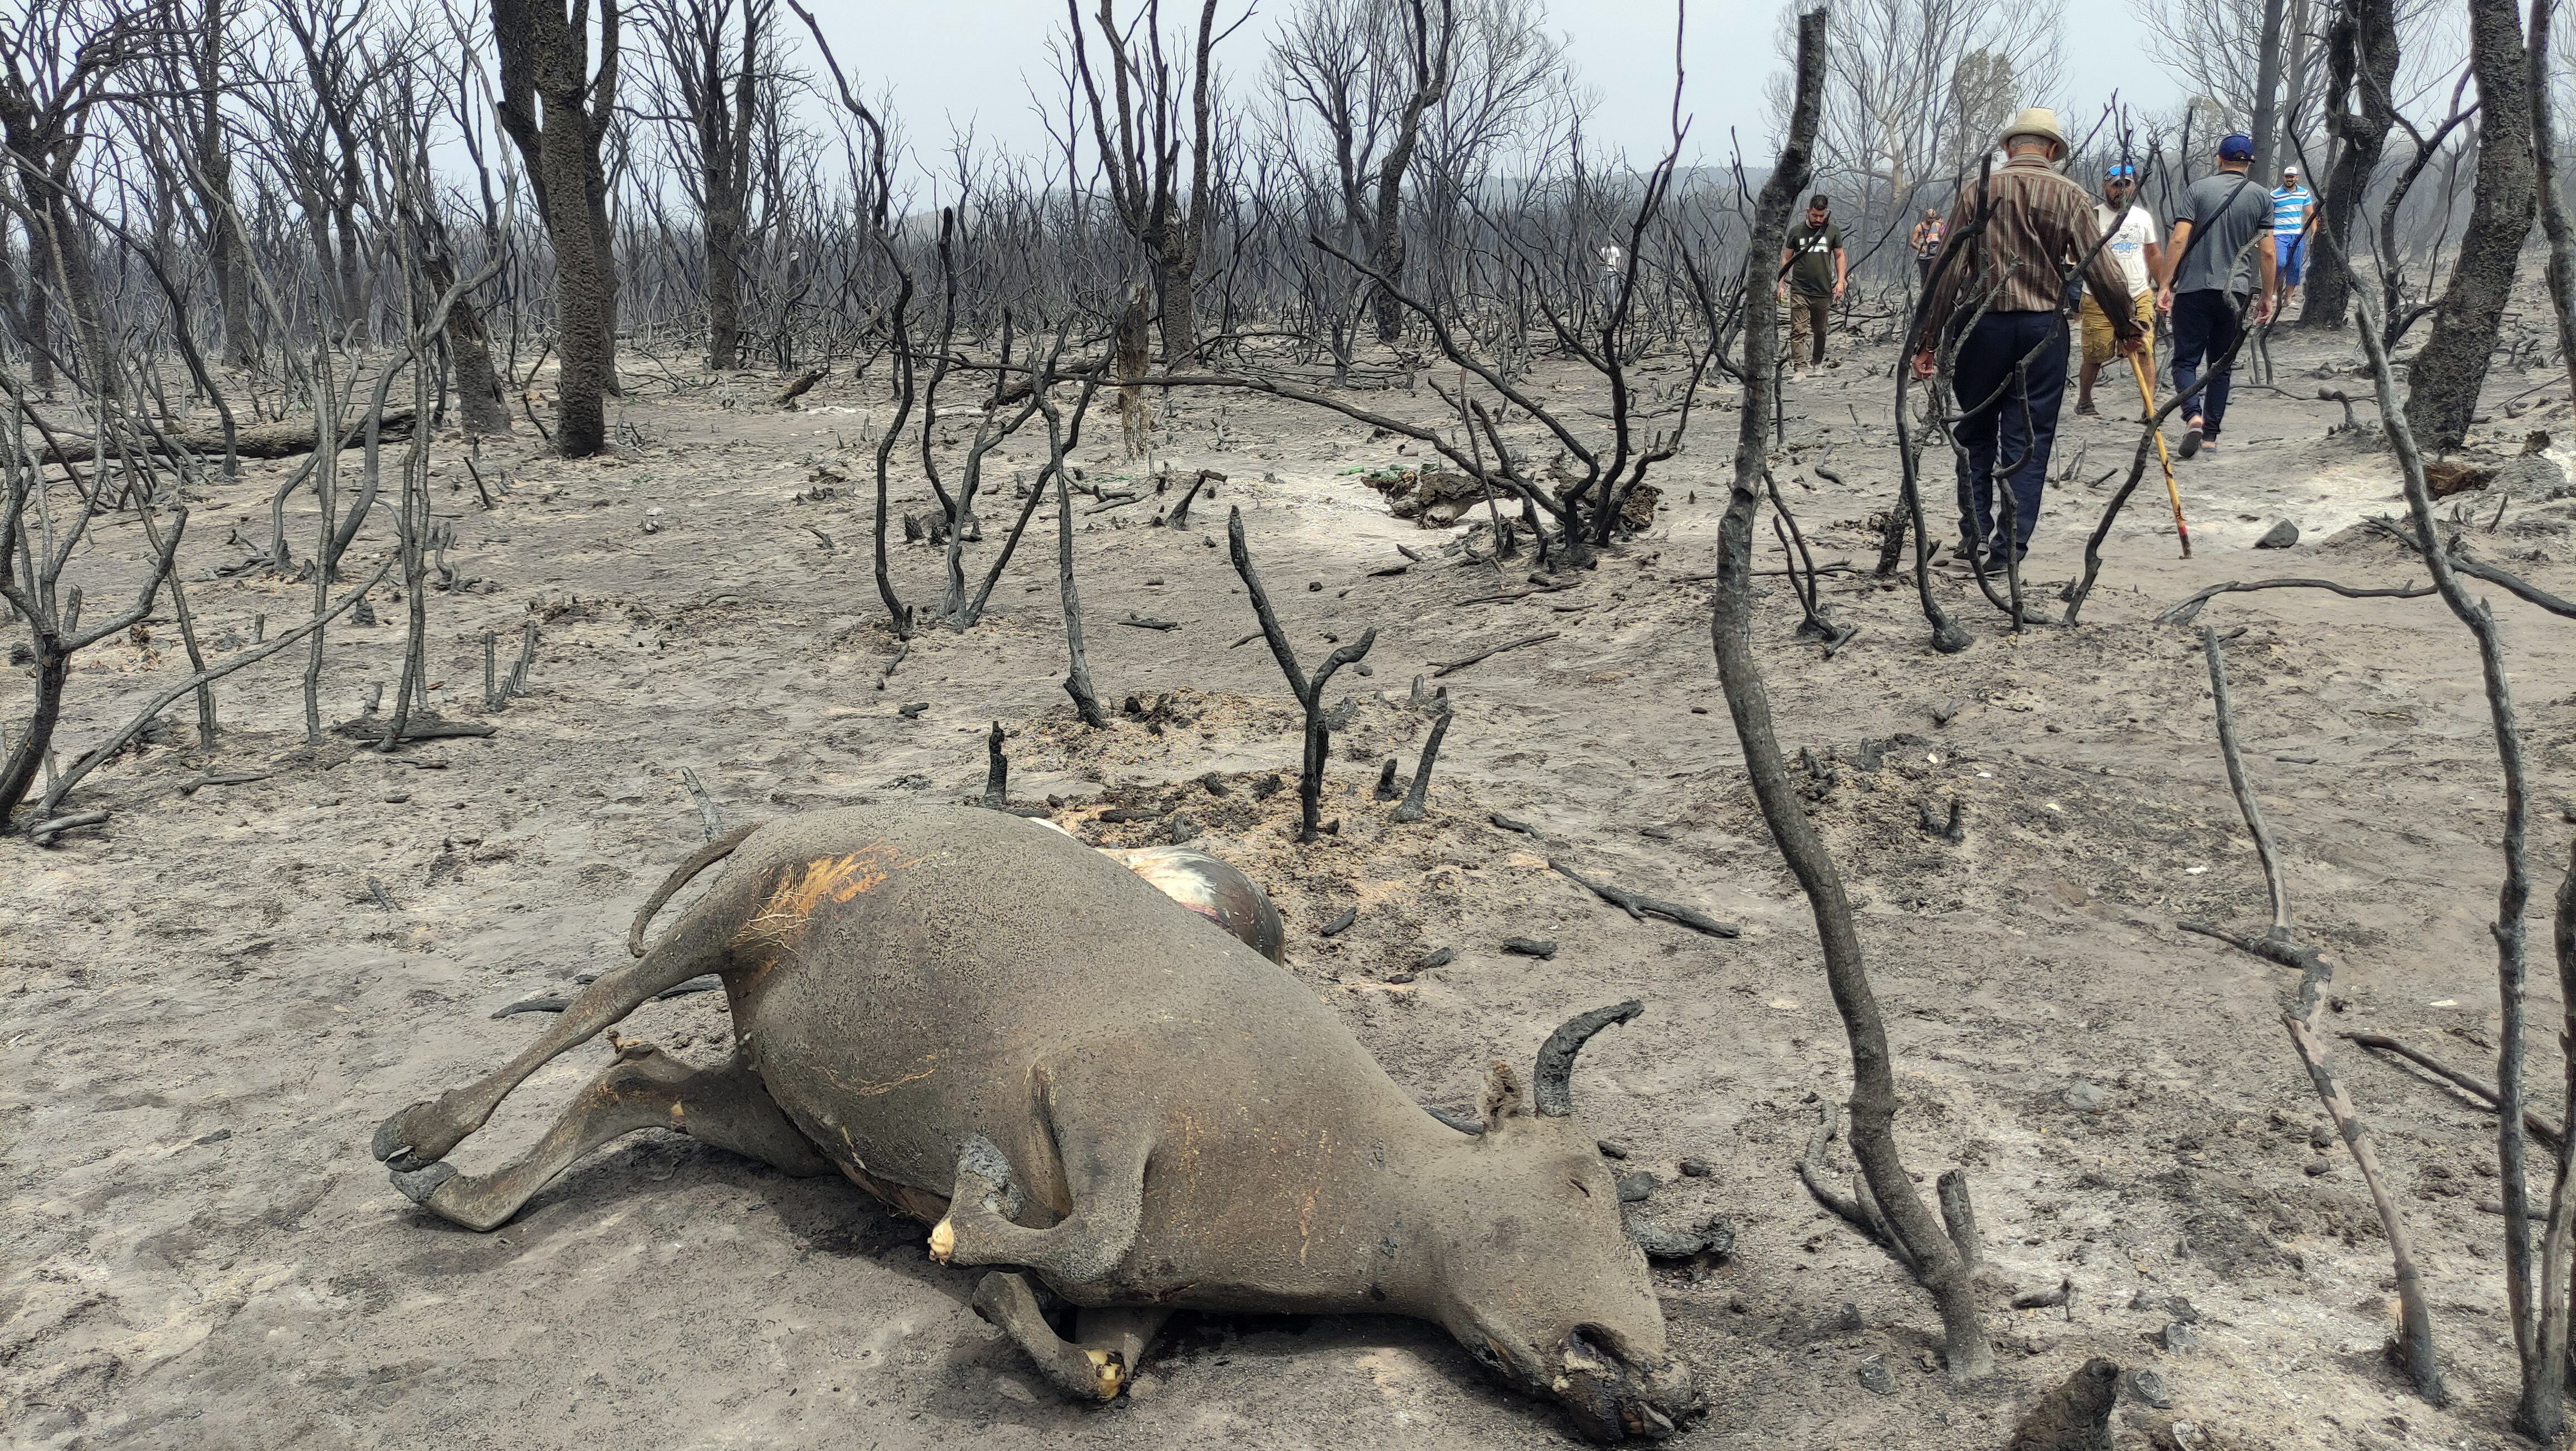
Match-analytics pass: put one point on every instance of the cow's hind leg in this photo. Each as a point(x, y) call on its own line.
point(1101, 1358)
point(645, 1088)
point(424, 1132)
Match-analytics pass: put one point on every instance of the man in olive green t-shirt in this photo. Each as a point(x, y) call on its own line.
point(1814, 268)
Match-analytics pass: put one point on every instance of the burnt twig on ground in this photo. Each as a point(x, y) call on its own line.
point(1309, 691)
point(2478, 1088)
point(1444, 667)
point(2183, 613)
point(2316, 974)
point(997, 770)
point(710, 817)
point(1416, 798)
point(1640, 907)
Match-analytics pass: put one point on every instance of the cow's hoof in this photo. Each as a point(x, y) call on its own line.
point(413, 1138)
point(418, 1184)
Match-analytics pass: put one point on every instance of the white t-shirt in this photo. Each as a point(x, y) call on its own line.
point(1611, 257)
point(2128, 246)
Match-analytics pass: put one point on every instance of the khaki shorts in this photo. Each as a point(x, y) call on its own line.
point(2101, 345)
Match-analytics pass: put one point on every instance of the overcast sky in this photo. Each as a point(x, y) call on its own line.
point(950, 63)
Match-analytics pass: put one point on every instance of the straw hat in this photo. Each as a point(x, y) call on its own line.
point(2036, 121)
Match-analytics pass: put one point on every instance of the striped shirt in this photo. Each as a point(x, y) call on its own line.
point(2043, 224)
point(2290, 209)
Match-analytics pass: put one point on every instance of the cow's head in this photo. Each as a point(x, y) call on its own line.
point(1541, 1282)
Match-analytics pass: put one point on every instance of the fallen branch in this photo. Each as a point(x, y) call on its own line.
point(1641, 907)
point(2484, 1092)
point(1444, 667)
point(261, 441)
point(2183, 613)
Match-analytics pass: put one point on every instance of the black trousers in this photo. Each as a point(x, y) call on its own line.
point(2204, 329)
point(2010, 379)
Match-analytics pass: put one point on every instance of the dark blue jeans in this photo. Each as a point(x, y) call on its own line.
point(2204, 329)
point(2010, 377)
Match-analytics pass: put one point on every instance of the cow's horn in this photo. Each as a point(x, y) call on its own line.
point(1553, 1090)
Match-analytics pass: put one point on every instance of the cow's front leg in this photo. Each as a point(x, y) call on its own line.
point(1101, 1358)
point(1107, 1183)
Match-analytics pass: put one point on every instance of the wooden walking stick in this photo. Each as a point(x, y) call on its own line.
point(2147, 395)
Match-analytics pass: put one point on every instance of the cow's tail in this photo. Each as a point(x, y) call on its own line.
point(708, 855)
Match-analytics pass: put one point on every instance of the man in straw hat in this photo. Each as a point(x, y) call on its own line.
point(2009, 372)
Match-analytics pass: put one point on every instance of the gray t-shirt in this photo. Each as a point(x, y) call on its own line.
point(2226, 210)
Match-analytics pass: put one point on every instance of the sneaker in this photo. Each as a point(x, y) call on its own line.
point(2192, 438)
point(1797, 375)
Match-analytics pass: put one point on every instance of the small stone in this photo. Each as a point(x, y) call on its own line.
point(2321, 1137)
point(2150, 1387)
point(1612, 1149)
point(1314, 586)
point(2319, 1168)
point(2180, 1337)
point(2281, 535)
point(2187, 1436)
point(1848, 1322)
point(1875, 1377)
point(1437, 957)
point(1541, 948)
point(2086, 1097)
point(1697, 1169)
point(1400, 979)
point(1635, 1185)
point(2143, 1300)
point(2181, 1309)
point(1736, 1305)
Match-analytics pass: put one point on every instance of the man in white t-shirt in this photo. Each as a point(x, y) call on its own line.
point(2132, 243)
point(1614, 261)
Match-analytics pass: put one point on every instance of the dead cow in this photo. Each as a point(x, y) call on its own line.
point(992, 1027)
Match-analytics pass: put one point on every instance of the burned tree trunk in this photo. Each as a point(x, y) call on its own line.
point(2442, 386)
point(1924, 1244)
point(2363, 62)
point(558, 111)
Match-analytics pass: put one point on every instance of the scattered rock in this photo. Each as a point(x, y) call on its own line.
point(1538, 947)
point(1696, 1169)
point(2180, 1337)
point(2086, 1097)
point(2150, 1389)
point(1612, 1149)
point(1341, 922)
point(2281, 535)
point(1437, 957)
point(2319, 1168)
point(2181, 1309)
point(1635, 1185)
point(1848, 1322)
point(1875, 1377)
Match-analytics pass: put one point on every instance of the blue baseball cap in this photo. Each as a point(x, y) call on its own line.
point(2120, 171)
point(2236, 146)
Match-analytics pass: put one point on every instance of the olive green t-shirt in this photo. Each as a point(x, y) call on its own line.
point(1812, 274)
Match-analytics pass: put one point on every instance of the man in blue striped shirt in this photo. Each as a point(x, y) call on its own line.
point(2291, 205)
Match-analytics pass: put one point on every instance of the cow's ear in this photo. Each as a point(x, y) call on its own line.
point(1502, 1099)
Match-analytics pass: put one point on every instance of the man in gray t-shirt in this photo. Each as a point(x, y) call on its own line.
point(2222, 240)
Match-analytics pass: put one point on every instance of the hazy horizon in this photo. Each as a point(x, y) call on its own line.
point(951, 67)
